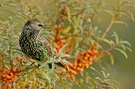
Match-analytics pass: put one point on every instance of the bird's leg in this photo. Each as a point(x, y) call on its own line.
point(32, 63)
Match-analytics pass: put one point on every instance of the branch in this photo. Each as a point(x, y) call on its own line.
point(108, 28)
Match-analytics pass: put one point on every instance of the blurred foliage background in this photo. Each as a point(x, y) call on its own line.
point(14, 13)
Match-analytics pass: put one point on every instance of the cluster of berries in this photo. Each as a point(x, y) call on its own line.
point(59, 43)
point(83, 60)
point(9, 75)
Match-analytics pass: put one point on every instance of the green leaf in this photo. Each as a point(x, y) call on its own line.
point(105, 73)
point(44, 54)
point(43, 65)
point(108, 11)
point(123, 47)
point(116, 37)
point(36, 61)
point(96, 71)
point(106, 41)
point(69, 14)
point(65, 62)
point(125, 42)
point(65, 31)
point(76, 42)
point(62, 49)
point(76, 24)
point(26, 69)
point(69, 40)
point(111, 57)
point(121, 22)
point(128, 48)
point(8, 58)
point(131, 14)
point(47, 77)
point(123, 52)
point(98, 78)
point(101, 55)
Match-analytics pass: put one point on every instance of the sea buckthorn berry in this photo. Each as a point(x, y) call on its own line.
point(4, 87)
point(85, 57)
point(83, 60)
point(9, 75)
point(75, 63)
point(87, 65)
point(81, 69)
point(80, 64)
point(59, 43)
point(18, 86)
point(63, 41)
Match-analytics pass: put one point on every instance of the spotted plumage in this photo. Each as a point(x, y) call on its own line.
point(31, 42)
point(30, 39)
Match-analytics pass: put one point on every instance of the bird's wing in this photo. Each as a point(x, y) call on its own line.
point(48, 50)
point(46, 45)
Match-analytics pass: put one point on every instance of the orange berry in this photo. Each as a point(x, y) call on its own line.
point(95, 51)
point(72, 76)
point(11, 74)
point(3, 75)
point(82, 53)
point(18, 86)
point(68, 76)
point(8, 77)
point(85, 57)
point(8, 71)
point(80, 64)
point(4, 87)
point(81, 69)
point(75, 63)
point(90, 59)
point(84, 61)
point(63, 41)
point(89, 51)
point(14, 71)
point(63, 69)
point(78, 69)
point(1, 70)
point(74, 72)
point(61, 45)
point(56, 45)
point(13, 78)
point(90, 63)
point(74, 67)
point(87, 65)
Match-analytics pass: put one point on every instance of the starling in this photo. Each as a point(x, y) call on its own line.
point(30, 40)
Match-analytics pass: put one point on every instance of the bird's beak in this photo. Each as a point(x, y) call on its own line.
point(43, 26)
point(46, 26)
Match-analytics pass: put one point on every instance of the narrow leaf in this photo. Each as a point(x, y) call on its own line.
point(123, 52)
point(111, 57)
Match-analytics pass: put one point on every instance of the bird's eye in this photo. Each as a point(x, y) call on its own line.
point(40, 25)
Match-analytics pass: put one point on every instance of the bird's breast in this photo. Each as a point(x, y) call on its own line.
point(31, 46)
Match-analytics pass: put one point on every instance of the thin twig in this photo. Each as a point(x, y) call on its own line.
point(107, 30)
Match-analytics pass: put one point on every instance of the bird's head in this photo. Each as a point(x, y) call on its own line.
point(35, 24)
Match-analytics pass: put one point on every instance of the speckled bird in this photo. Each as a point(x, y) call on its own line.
point(31, 42)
